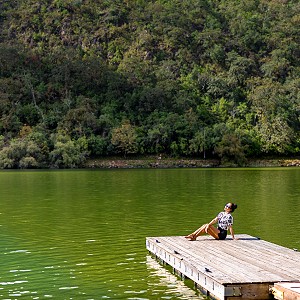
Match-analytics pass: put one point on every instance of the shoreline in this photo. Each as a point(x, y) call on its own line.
point(168, 163)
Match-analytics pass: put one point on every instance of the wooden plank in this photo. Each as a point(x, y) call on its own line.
point(286, 290)
point(257, 256)
point(242, 261)
point(243, 268)
point(236, 270)
point(252, 255)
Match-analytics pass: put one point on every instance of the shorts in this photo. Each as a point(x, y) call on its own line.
point(223, 234)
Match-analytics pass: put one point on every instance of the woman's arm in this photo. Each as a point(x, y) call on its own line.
point(232, 233)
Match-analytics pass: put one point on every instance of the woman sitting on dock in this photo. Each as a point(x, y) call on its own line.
point(225, 222)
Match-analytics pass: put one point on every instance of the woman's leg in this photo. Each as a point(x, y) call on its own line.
point(200, 231)
point(213, 231)
point(204, 229)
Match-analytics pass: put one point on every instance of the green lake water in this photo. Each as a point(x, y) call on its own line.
point(81, 234)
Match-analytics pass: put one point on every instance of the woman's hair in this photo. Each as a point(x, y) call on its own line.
point(233, 207)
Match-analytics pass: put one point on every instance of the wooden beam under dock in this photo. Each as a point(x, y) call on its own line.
point(247, 268)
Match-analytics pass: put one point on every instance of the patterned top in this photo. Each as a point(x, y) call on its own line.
point(224, 220)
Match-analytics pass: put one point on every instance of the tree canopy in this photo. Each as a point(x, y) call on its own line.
point(194, 78)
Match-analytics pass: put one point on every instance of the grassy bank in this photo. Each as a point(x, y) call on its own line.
point(158, 162)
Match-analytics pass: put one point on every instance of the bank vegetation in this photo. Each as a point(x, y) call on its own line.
point(87, 79)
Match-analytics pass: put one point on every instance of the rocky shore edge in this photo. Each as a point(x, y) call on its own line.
point(163, 163)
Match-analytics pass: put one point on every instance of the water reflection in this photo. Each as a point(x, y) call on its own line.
point(163, 278)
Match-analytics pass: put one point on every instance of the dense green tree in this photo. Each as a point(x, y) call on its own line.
point(28, 150)
point(124, 138)
point(68, 153)
point(207, 78)
point(272, 107)
point(230, 149)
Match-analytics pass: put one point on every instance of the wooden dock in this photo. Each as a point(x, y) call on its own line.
point(248, 268)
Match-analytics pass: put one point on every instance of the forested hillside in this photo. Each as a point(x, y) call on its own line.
point(186, 78)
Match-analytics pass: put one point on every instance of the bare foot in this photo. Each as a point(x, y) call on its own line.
point(191, 237)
